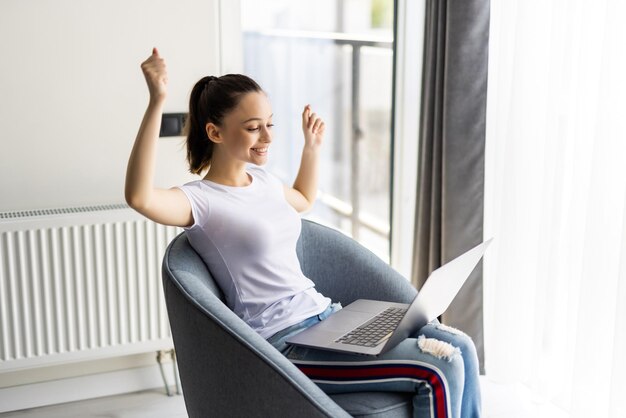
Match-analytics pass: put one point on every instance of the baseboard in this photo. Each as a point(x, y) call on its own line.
point(84, 387)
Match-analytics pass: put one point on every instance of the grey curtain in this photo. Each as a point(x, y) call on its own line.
point(450, 195)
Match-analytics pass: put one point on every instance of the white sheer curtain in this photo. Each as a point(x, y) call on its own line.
point(555, 277)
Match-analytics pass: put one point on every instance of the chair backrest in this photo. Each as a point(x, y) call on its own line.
point(345, 271)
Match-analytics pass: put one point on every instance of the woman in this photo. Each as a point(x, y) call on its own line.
point(244, 224)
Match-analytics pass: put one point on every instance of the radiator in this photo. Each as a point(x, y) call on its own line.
point(80, 284)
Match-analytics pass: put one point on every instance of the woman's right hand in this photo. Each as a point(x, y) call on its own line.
point(155, 72)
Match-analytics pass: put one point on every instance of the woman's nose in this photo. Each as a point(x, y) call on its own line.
point(266, 134)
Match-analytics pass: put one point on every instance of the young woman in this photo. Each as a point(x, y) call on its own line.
point(239, 212)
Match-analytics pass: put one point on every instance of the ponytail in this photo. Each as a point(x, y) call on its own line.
point(199, 146)
point(210, 100)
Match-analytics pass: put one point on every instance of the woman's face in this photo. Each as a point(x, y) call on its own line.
point(246, 132)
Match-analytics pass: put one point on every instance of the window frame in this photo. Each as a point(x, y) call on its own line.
point(409, 20)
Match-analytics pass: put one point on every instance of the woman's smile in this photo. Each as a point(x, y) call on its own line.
point(260, 151)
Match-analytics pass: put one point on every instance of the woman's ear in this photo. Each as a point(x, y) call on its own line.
point(213, 132)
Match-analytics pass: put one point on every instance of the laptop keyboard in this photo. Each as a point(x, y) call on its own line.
point(377, 330)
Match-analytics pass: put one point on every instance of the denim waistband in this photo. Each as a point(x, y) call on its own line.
point(301, 326)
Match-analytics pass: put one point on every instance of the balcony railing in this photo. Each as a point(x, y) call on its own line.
point(352, 209)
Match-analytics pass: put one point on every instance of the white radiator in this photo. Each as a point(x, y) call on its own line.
point(80, 284)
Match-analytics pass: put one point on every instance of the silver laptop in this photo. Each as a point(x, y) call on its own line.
point(374, 327)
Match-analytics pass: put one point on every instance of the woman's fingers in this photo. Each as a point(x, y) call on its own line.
point(318, 126)
point(305, 116)
point(309, 119)
point(315, 123)
point(312, 119)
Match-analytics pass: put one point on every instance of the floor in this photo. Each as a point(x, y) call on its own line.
point(499, 401)
point(147, 404)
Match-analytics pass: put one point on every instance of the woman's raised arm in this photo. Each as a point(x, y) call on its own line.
point(304, 191)
point(165, 206)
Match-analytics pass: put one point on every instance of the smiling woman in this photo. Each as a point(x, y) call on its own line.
point(244, 224)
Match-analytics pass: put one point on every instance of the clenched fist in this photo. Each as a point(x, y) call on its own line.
point(155, 72)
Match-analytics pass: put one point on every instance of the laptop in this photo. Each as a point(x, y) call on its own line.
point(373, 327)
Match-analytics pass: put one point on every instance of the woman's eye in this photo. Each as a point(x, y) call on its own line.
point(258, 128)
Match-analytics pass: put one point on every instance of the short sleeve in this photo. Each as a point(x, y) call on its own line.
point(199, 202)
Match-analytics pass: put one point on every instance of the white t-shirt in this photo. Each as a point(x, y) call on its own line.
point(247, 237)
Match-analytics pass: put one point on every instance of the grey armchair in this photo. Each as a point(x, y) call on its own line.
point(228, 370)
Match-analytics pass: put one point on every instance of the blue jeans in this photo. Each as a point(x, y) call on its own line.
point(439, 364)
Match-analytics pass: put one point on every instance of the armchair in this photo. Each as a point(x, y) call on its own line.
point(228, 370)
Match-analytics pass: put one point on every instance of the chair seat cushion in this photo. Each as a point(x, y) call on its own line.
point(376, 404)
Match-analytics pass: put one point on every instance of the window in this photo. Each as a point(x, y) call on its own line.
point(337, 56)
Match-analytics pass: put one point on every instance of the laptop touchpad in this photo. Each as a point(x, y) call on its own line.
point(344, 321)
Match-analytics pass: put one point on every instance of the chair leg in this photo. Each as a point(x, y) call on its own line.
point(176, 378)
point(159, 359)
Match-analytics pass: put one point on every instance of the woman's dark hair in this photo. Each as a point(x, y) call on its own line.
point(211, 99)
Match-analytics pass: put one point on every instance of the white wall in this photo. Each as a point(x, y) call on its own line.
point(72, 94)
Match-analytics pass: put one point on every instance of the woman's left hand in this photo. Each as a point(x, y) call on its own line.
point(313, 127)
